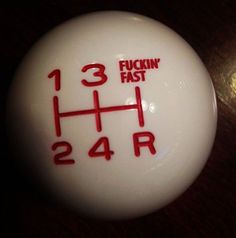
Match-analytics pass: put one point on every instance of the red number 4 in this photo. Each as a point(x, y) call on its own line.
point(107, 153)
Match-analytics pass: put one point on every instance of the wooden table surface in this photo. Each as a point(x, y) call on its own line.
point(208, 208)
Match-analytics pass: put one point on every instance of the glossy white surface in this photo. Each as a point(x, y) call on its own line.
point(178, 107)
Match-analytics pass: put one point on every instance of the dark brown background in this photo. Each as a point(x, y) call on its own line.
point(208, 208)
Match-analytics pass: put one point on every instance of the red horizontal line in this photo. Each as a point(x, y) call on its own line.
point(93, 111)
point(76, 113)
point(118, 108)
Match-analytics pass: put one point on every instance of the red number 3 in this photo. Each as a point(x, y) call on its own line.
point(99, 73)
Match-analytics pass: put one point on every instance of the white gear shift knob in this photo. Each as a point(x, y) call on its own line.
point(115, 114)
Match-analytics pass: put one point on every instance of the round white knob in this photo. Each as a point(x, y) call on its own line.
point(115, 114)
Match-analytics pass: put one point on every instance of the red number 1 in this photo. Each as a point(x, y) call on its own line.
point(56, 74)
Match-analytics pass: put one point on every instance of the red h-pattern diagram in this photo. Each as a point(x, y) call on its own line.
point(97, 110)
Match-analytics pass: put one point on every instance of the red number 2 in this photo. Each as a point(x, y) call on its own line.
point(99, 73)
point(59, 158)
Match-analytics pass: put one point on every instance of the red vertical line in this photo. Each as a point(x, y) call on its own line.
point(56, 116)
point(97, 111)
point(139, 106)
